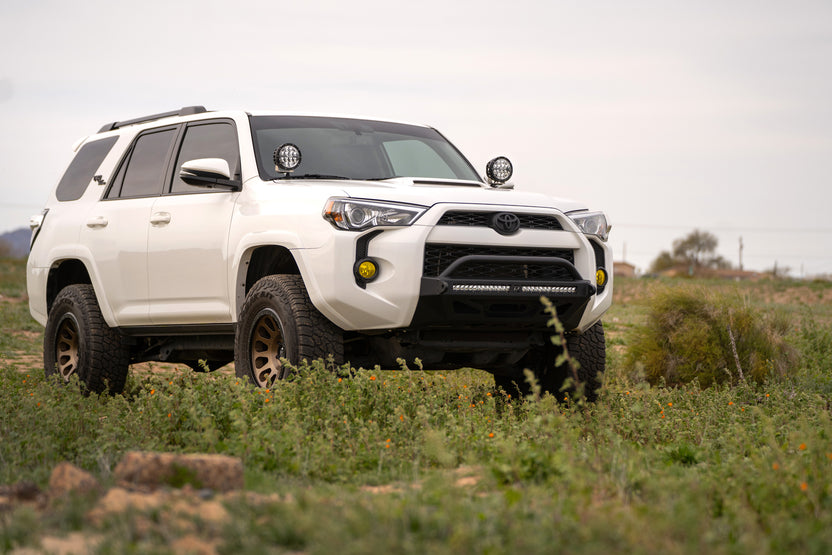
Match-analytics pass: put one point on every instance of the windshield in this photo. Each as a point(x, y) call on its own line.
point(357, 149)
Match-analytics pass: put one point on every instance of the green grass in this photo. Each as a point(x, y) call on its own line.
point(373, 462)
point(12, 277)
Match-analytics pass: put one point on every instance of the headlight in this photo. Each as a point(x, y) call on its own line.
point(356, 215)
point(592, 223)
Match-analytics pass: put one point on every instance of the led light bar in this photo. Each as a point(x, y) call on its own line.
point(489, 288)
point(548, 289)
point(537, 289)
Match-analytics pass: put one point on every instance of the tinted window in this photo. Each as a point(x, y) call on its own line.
point(145, 171)
point(82, 168)
point(214, 140)
point(357, 149)
point(414, 158)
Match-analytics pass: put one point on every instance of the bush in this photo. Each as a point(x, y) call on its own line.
point(692, 334)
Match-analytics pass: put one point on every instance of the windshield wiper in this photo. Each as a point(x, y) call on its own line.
point(313, 176)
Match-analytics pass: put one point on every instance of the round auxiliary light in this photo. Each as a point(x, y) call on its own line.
point(600, 277)
point(367, 269)
point(287, 158)
point(499, 170)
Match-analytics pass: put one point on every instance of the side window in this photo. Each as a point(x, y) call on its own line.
point(145, 170)
point(82, 168)
point(413, 158)
point(211, 140)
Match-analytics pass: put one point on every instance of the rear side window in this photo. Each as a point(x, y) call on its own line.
point(143, 173)
point(82, 169)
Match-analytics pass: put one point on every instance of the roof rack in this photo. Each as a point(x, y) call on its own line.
point(186, 111)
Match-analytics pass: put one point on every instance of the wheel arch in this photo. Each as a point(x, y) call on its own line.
point(76, 271)
point(63, 273)
point(258, 262)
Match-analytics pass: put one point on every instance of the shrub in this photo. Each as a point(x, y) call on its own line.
point(692, 333)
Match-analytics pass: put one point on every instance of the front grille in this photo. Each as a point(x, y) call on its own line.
point(483, 219)
point(439, 257)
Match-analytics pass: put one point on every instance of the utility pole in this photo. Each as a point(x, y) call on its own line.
point(740, 253)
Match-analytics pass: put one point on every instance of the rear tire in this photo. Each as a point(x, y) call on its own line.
point(279, 321)
point(77, 340)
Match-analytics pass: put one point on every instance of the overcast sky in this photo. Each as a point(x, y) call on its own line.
point(667, 115)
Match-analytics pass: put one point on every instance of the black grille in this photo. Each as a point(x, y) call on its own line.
point(483, 219)
point(439, 257)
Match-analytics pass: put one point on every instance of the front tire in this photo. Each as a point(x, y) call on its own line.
point(77, 340)
point(588, 349)
point(278, 321)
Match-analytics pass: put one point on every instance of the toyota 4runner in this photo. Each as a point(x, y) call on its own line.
point(204, 238)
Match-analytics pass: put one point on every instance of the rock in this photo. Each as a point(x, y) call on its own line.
point(74, 542)
point(66, 478)
point(192, 545)
point(178, 509)
point(144, 469)
point(118, 501)
point(23, 492)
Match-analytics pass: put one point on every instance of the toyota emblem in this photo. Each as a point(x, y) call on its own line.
point(505, 223)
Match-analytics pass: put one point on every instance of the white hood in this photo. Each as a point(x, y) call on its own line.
point(428, 192)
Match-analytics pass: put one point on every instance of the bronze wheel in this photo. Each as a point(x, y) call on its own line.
point(67, 346)
point(279, 323)
point(78, 341)
point(268, 346)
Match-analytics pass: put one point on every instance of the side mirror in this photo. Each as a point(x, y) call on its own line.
point(208, 172)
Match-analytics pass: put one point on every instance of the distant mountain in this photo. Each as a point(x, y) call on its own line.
point(15, 244)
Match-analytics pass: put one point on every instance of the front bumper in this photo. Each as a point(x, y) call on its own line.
point(493, 281)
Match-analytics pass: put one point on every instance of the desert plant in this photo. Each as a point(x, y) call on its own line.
point(692, 334)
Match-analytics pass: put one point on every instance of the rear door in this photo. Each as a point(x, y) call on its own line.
point(187, 243)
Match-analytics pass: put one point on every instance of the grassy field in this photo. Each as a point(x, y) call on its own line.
point(415, 462)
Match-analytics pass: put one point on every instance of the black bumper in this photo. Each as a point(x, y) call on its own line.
point(503, 305)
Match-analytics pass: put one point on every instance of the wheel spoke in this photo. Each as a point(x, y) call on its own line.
point(66, 348)
point(267, 348)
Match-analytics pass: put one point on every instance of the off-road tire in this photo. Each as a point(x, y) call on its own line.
point(278, 320)
point(588, 349)
point(77, 340)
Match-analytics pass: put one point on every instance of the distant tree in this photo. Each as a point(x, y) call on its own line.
point(663, 262)
point(697, 250)
point(720, 263)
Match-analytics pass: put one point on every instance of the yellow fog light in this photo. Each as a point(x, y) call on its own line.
point(600, 277)
point(367, 269)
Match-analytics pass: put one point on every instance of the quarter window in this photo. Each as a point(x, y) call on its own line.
point(80, 172)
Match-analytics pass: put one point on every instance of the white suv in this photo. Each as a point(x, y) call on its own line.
point(205, 237)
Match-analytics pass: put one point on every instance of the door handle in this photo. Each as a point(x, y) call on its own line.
point(160, 218)
point(98, 221)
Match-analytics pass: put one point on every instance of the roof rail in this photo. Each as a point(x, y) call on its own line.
point(186, 111)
